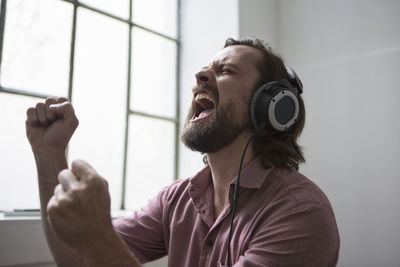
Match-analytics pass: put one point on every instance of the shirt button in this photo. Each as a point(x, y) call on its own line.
point(210, 243)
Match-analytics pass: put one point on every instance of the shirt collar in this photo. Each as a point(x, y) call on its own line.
point(201, 179)
point(253, 175)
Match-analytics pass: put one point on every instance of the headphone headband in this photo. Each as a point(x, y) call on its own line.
point(295, 80)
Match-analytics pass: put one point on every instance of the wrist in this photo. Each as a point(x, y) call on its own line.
point(44, 151)
point(49, 163)
point(108, 250)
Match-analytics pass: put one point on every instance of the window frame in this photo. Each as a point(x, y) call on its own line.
point(129, 111)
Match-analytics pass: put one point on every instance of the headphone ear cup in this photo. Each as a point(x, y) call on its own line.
point(274, 105)
point(259, 106)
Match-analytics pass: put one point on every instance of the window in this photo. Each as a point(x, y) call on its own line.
point(117, 61)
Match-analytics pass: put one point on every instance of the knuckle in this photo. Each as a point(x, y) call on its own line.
point(40, 105)
point(95, 181)
point(57, 189)
point(30, 110)
point(62, 99)
point(75, 193)
point(75, 163)
point(50, 100)
point(51, 209)
point(68, 105)
point(92, 176)
point(63, 204)
point(62, 174)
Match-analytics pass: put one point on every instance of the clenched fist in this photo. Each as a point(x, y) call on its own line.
point(50, 125)
point(79, 211)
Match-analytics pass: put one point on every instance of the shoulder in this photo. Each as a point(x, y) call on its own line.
point(300, 205)
point(174, 191)
point(297, 220)
point(297, 189)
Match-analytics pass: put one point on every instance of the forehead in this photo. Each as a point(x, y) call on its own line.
point(238, 55)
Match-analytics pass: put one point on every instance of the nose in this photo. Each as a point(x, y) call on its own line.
point(205, 75)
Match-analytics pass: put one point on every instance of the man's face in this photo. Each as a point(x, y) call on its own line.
point(220, 106)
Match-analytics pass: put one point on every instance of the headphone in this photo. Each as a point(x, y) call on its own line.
point(275, 104)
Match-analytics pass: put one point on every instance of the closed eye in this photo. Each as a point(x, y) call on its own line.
point(225, 70)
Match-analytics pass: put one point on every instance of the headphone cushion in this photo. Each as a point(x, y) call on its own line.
point(259, 105)
point(274, 105)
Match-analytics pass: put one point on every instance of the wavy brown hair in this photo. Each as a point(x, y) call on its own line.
point(279, 149)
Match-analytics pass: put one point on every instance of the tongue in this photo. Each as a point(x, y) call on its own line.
point(204, 113)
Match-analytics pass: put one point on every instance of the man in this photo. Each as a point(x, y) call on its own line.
point(282, 218)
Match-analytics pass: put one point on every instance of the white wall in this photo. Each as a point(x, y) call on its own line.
point(347, 53)
point(206, 24)
point(258, 18)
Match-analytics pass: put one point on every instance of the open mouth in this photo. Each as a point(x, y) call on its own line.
point(203, 106)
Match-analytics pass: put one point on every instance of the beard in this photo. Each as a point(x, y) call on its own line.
point(211, 136)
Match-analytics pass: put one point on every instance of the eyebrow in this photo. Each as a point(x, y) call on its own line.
point(231, 65)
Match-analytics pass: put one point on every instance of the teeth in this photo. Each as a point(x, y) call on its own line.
point(202, 96)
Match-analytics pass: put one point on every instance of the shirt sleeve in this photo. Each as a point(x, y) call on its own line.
point(143, 231)
point(305, 235)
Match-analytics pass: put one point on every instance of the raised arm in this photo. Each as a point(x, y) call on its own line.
point(75, 212)
point(49, 127)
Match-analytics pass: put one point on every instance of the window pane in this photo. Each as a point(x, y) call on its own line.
point(37, 46)
point(159, 15)
point(18, 178)
point(116, 7)
point(150, 159)
point(99, 96)
point(153, 74)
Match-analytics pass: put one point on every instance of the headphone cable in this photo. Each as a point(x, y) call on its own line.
point(236, 193)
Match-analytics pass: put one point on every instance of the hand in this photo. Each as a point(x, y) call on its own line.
point(79, 211)
point(50, 125)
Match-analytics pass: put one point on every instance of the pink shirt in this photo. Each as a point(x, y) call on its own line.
point(282, 219)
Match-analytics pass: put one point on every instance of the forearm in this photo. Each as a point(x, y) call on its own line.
point(111, 250)
point(49, 164)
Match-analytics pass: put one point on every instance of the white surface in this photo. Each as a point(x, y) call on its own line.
point(158, 15)
point(258, 19)
point(18, 179)
point(347, 54)
point(37, 39)
point(153, 87)
point(115, 7)
point(206, 25)
point(99, 96)
point(150, 159)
